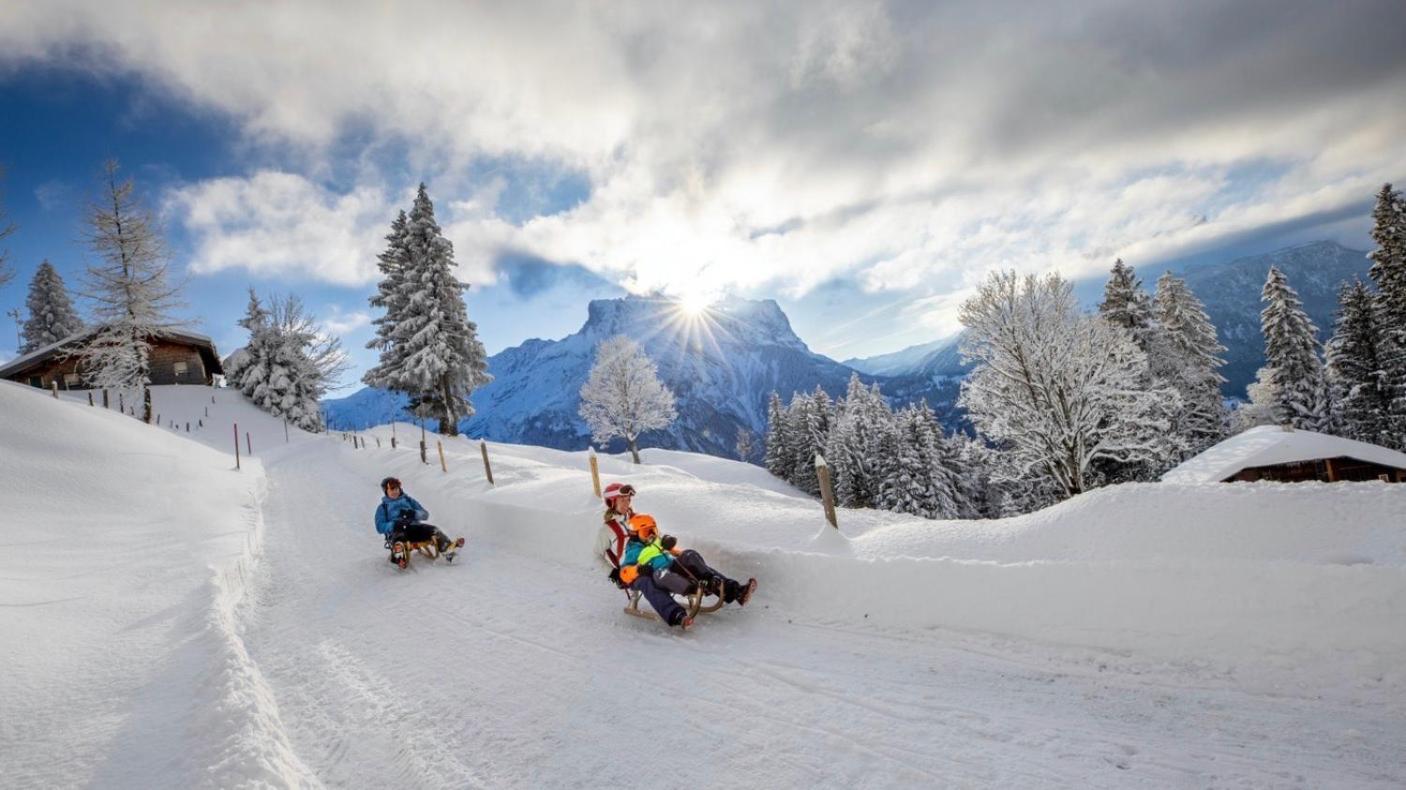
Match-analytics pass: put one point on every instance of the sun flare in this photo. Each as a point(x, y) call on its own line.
point(694, 304)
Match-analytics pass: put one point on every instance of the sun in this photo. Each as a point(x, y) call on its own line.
point(694, 304)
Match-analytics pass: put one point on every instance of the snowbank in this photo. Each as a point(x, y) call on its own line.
point(127, 547)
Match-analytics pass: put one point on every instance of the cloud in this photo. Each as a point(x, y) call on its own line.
point(341, 323)
point(53, 194)
point(904, 145)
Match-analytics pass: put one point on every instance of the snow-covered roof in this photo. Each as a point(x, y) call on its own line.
point(1270, 445)
point(43, 353)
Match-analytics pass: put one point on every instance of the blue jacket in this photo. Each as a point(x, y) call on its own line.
point(390, 509)
point(659, 559)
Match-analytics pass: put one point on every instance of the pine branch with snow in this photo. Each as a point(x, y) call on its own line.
point(623, 396)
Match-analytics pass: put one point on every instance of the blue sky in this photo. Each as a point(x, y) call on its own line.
point(864, 163)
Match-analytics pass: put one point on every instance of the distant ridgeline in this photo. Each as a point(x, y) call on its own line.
point(723, 367)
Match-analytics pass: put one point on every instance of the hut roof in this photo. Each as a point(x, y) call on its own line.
point(1271, 445)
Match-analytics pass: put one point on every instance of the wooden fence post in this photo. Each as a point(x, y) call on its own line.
point(120, 407)
point(827, 494)
point(285, 430)
point(247, 444)
point(487, 467)
point(423, 446)
point(236, 445)
point(54, 386)
point(392, 435)
point(595, 473)
point(442, 466)
point(187, 426)
point(378, 442)
point(105, 406)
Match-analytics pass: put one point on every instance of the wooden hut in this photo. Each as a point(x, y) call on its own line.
point(177, 357)
point(1289, 455)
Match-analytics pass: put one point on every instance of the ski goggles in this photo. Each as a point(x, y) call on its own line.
point(626, 490)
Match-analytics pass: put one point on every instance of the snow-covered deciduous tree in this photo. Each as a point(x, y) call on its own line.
point(623, 396)
point(132, 300)
point(51, 314)
point(429, 348)
point(288, 364)
point(1389, 273)
point(1261, 405)
point(1361, 388)
point(1291, 355)
point(1054, 389)
point(7, 273)
point(1190, 362)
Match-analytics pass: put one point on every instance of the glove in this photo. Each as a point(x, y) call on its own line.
point(646, 569)
point(667, 542)
point(628, 574)
point(615, 577)
point(405, 518)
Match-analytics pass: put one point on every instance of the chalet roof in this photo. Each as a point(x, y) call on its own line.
point(1271, 445)
point(41, 355)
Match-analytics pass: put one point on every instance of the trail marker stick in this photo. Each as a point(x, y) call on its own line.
point(487, 468)
point(595, 473)
point(442, 466)
point(236, 445)
point(827, 493)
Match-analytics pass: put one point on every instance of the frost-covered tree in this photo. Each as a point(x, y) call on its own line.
point(780, 458)
point(862, 423)
point(7, 273)
point(746, 444)
point(1190, 361)
point(132, 300)
point(1362, 393)
point(1054, 389)
point(1291, 354)
point(51, 314)
point(1261, 405)
point(623, 396)
point(919, 478)
point(430, 348)
point(1125, 303)
point(288, 364)
point(811, 419)
point(1389, 273)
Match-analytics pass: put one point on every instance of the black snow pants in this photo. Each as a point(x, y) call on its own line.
point(689, 570)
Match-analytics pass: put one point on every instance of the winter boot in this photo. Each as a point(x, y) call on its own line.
point(745, 594)
point(451, 549)
point(686, 623)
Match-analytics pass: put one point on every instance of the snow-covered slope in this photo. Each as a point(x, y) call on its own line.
point(1152, 635)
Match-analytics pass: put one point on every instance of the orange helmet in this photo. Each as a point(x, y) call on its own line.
point(643, 525)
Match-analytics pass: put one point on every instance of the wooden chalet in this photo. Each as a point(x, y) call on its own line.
point(177, 357)
point(1289, 455)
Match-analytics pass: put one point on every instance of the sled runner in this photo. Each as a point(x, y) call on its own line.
point(402, 549)
point(693, 603)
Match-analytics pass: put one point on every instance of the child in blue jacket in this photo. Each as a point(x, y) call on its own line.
point(400, 518)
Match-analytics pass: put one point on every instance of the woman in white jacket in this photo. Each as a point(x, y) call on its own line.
point(610, 541)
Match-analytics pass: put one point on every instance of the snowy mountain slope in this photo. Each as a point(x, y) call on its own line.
point(898, 363)
point(722, 366)
point(1083, 646)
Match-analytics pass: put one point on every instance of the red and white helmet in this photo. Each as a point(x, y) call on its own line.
point(614, 490)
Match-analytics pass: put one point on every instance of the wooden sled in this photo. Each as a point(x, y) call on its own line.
point(692, 603)
point(424, 547)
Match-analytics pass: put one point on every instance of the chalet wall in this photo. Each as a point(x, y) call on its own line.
point(166, 359)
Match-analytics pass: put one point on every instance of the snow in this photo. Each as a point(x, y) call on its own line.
point(1268, 445)
point(246, 629)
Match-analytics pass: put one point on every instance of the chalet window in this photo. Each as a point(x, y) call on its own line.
point(70, 379)
point(180, 368)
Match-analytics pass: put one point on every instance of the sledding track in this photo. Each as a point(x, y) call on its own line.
point(512, 669)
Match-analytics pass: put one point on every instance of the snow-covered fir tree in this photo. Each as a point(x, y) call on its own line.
point(1054, 389)
point(811, 420)
point(1361, 388)
point(51, 314)
point(430, 349)
point(1261, 405)
point(1291, 354)
point(862, 421)
point(1190, 361)
point(132, 300)
point(779, 457)
point(288, 364)
point(746, 445)
point(1389, 273)
point(1125, 303)
point(623, 396)
point(919, 478)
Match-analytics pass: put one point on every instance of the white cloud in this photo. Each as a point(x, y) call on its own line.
point(775, 146)
point(340, 322)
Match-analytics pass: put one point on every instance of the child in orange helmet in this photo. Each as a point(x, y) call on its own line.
point(657, 560)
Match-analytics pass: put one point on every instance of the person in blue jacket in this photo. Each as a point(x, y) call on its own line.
point(401, 519)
